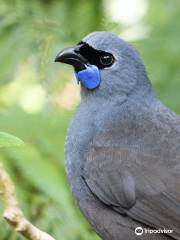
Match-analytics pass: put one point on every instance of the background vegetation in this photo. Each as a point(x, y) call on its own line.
point(38, 97)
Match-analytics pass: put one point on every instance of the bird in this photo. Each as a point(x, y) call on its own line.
point(122, 149)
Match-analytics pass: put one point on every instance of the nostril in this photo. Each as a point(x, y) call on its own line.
point(77, 48)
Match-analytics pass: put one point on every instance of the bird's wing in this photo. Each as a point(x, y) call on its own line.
point(138, 180)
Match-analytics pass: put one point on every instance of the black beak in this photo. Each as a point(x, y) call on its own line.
point(73, 57)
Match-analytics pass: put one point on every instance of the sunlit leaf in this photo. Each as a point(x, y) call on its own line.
point(8, 140)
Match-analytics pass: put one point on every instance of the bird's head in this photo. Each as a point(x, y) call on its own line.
point(105, 65)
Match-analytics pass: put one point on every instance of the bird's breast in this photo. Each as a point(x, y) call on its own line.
point(80, 134)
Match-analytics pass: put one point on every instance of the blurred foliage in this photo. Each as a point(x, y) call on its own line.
point(32, 89)
point(161, 50)
point(8, 140)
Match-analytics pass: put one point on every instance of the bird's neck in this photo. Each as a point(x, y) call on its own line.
point(98, 97)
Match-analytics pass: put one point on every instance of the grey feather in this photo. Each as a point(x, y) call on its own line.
point(123, 150)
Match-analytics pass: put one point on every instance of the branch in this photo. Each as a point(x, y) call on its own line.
point(13, 214)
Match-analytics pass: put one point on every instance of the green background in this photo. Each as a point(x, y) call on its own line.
point(38, 97)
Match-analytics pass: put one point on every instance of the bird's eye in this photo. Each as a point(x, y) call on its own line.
point(106, 60)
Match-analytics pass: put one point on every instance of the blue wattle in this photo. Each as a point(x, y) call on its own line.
point(89, 77)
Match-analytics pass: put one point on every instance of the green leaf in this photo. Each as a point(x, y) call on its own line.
point(8, 140)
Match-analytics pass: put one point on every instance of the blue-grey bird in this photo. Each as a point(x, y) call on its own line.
point(123, 145)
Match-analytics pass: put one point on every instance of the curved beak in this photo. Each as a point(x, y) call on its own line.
point(72, 57)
